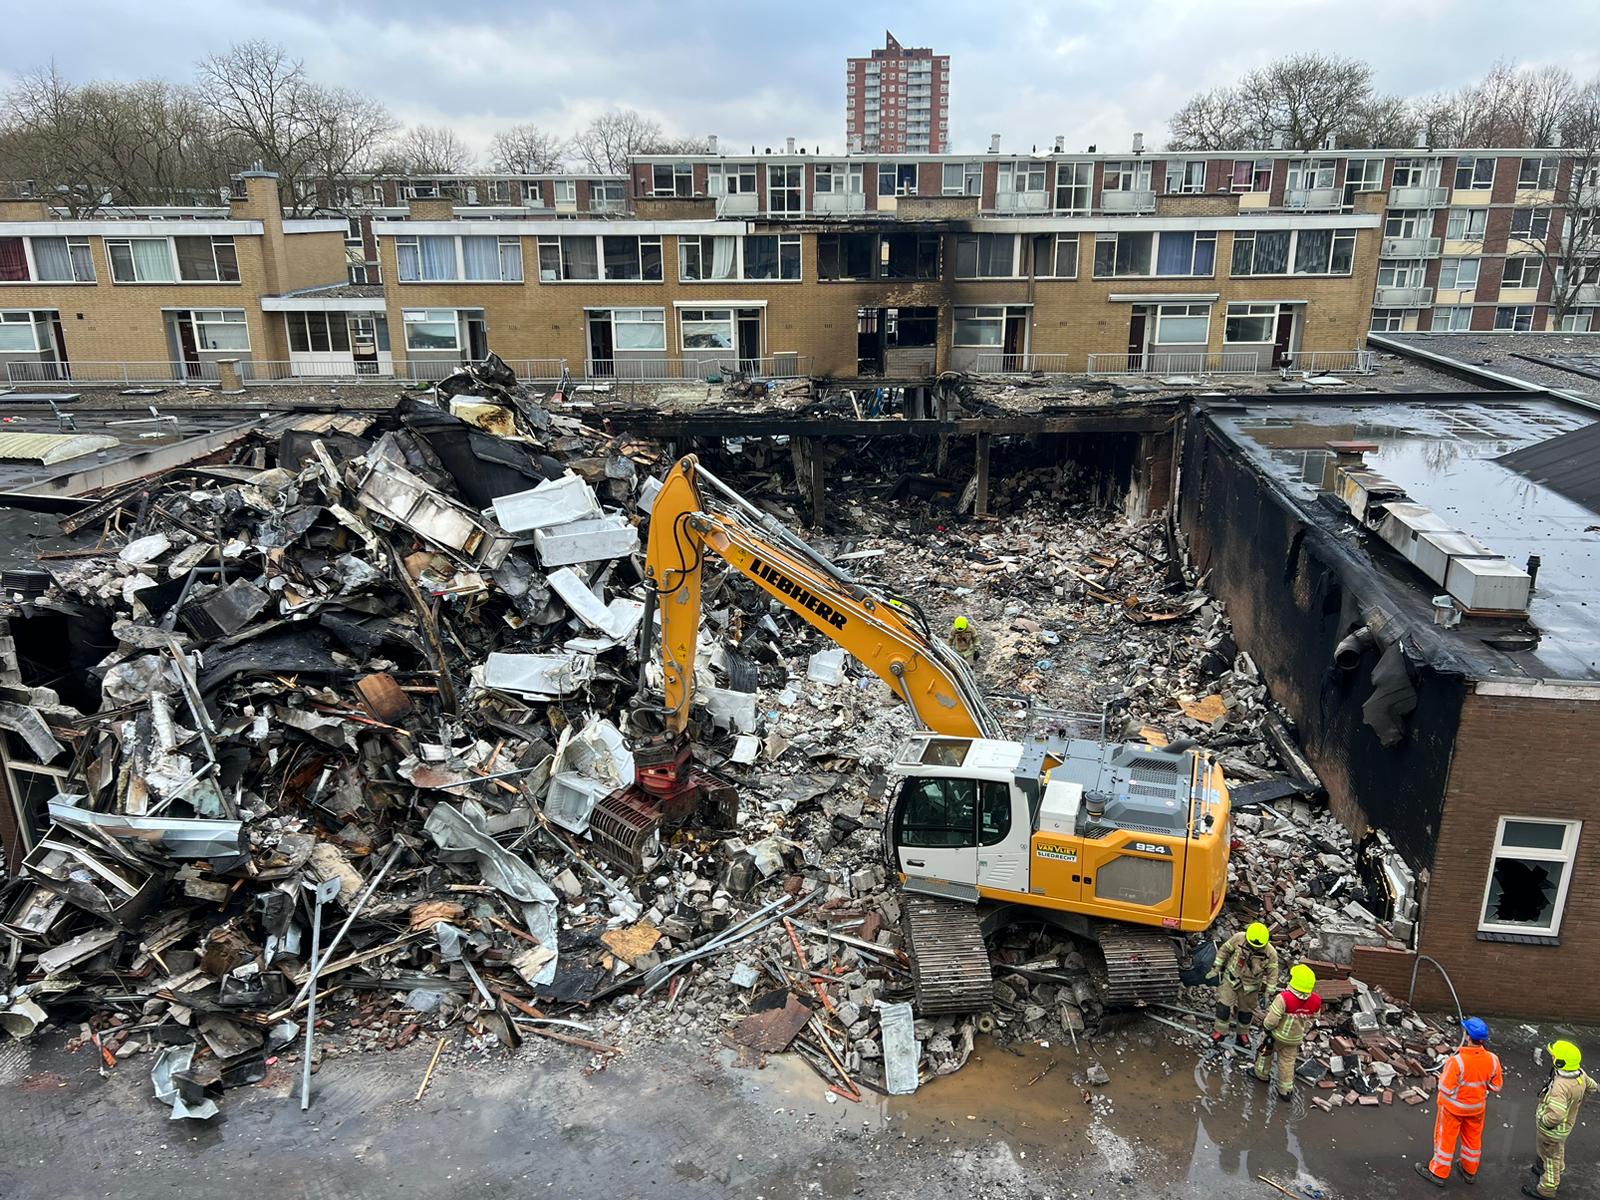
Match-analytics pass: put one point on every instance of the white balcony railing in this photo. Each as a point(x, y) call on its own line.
point(608, 206)
point(1409, 247)
point(838, 202)
point(741, 204)
point(1312, 198)
point(996, 363)
point(335, 369)
point(1127, 202)
point(1178, 362)
point(1024, 201)
point(777, 366)
point(1419, 197)
point(1404, 297)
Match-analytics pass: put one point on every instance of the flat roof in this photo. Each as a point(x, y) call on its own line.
point(1566, 362)
point(1444, 451)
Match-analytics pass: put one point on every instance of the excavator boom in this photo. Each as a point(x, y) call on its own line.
point(889, 638)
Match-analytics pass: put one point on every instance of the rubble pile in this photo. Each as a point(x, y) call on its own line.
point(372, 677)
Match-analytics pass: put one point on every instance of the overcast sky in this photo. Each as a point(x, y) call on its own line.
point(1095, 70)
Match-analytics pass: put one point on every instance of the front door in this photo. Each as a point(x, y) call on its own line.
point(187, 348)
point(750, 340)
point(1283, 338)
point(869, 341)
point(601, 346)
point(477, 339)
point(1005, 837)
point(935, 832)
point(1016, 341)
point(1136, 335)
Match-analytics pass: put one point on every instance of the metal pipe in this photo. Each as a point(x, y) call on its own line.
point(1416, 964)
point(372, 886)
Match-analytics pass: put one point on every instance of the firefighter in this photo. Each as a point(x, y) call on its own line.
point(964, 640)
point(1289, 1018)
point(1469, 1075)
point(1557, 1114)
point(1248, 962)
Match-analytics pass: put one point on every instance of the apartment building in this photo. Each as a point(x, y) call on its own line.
point(167, 298)
point(897, 100)
point(903, 286)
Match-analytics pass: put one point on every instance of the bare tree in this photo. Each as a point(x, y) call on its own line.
point(1382, 121)
point(607, 142)
point(310, 134)
point(1509, 106)
point(677, 145)
point(432, 150)
point(527, 150)
point(1305, 97)
point(1213, 120)
point(1566, 240)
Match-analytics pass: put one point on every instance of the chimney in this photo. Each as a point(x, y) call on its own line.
point(1138, 143)
point(1331, 142)
point(855, 143)
point(1061, 142)
point(1277, 141)
point(788, 145)
point(994, 143)
point(711, 143)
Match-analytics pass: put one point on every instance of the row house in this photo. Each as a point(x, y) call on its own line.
point(1471, 238)
point(685, 288)
point(164, 297)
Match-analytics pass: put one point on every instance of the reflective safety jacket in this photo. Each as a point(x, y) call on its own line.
point(1469, 1075)
point(1247, 970)
point(1289, 1017)
point(1559, 1103)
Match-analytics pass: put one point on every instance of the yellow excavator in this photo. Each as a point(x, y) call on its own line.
point(1124, 844)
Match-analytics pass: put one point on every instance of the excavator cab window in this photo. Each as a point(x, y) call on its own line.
point(938, 814)
point(994, 813)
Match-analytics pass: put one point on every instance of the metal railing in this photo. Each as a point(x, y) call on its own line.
point(1334, 362)
point(1403, 297)
point(1127, 201)
point(1409, 247)
point(1023, 202)
point(333, 369)
point(778, 366)
point(838, 202)
point(1419, 196)
point(1312, 198)
point(1022, 364)
point(1180, 362)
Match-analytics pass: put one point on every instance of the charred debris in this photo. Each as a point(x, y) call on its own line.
point(373, 675)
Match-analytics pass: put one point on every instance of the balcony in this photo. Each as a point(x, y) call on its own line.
point(828, 203)
point(1411, 247)
point(1127, 202)
point(1419, 197)
point(1022, 202)
point(741, 204)
point(1404, 297)
point(1312, 198)
point(604, 205)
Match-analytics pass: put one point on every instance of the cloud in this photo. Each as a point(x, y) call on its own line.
point(1094, 71)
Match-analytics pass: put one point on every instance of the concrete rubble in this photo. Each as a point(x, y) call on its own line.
point(407, 661)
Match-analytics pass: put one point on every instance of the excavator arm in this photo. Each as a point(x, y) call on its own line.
point(889, 638)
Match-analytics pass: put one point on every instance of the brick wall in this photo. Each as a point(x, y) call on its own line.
point(817, 318)
point(1516, 756)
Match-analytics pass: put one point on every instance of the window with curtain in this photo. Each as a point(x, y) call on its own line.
point(13, 261)
point(438, 256)
point(51, 260)
point(408, 262)
point(511, 260)
point(1261, 253)
point(580, 258)
point(152, 260)
point(480, 258)
point(1312, 250)
point(1176, 255)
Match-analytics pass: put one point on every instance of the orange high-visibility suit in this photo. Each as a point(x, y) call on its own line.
point(1469, 1075)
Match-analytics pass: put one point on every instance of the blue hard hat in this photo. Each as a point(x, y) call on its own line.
point(1477, 1029)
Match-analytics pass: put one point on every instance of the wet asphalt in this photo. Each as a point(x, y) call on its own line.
point(674, 1121)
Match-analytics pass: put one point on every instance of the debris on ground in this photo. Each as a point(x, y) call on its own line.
point(404, 658)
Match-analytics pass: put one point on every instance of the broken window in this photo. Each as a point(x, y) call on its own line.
point(1055, 255)
point(1528, 876)
point(878, 256)
point(986, 256)
point(706, 328)
point(897, 179)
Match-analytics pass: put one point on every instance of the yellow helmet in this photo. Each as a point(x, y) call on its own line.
point(1302, 981)
point(961, 623)
point(1257, 934)
point(1565, 1055)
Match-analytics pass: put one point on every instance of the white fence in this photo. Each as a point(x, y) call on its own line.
point(1022, 364)
point(1335, 362)
point(780, 366)
point(335, 369)
point(1180, 362)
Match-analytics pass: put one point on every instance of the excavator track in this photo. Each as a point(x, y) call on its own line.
point(1141, 968)
point(949, 960)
